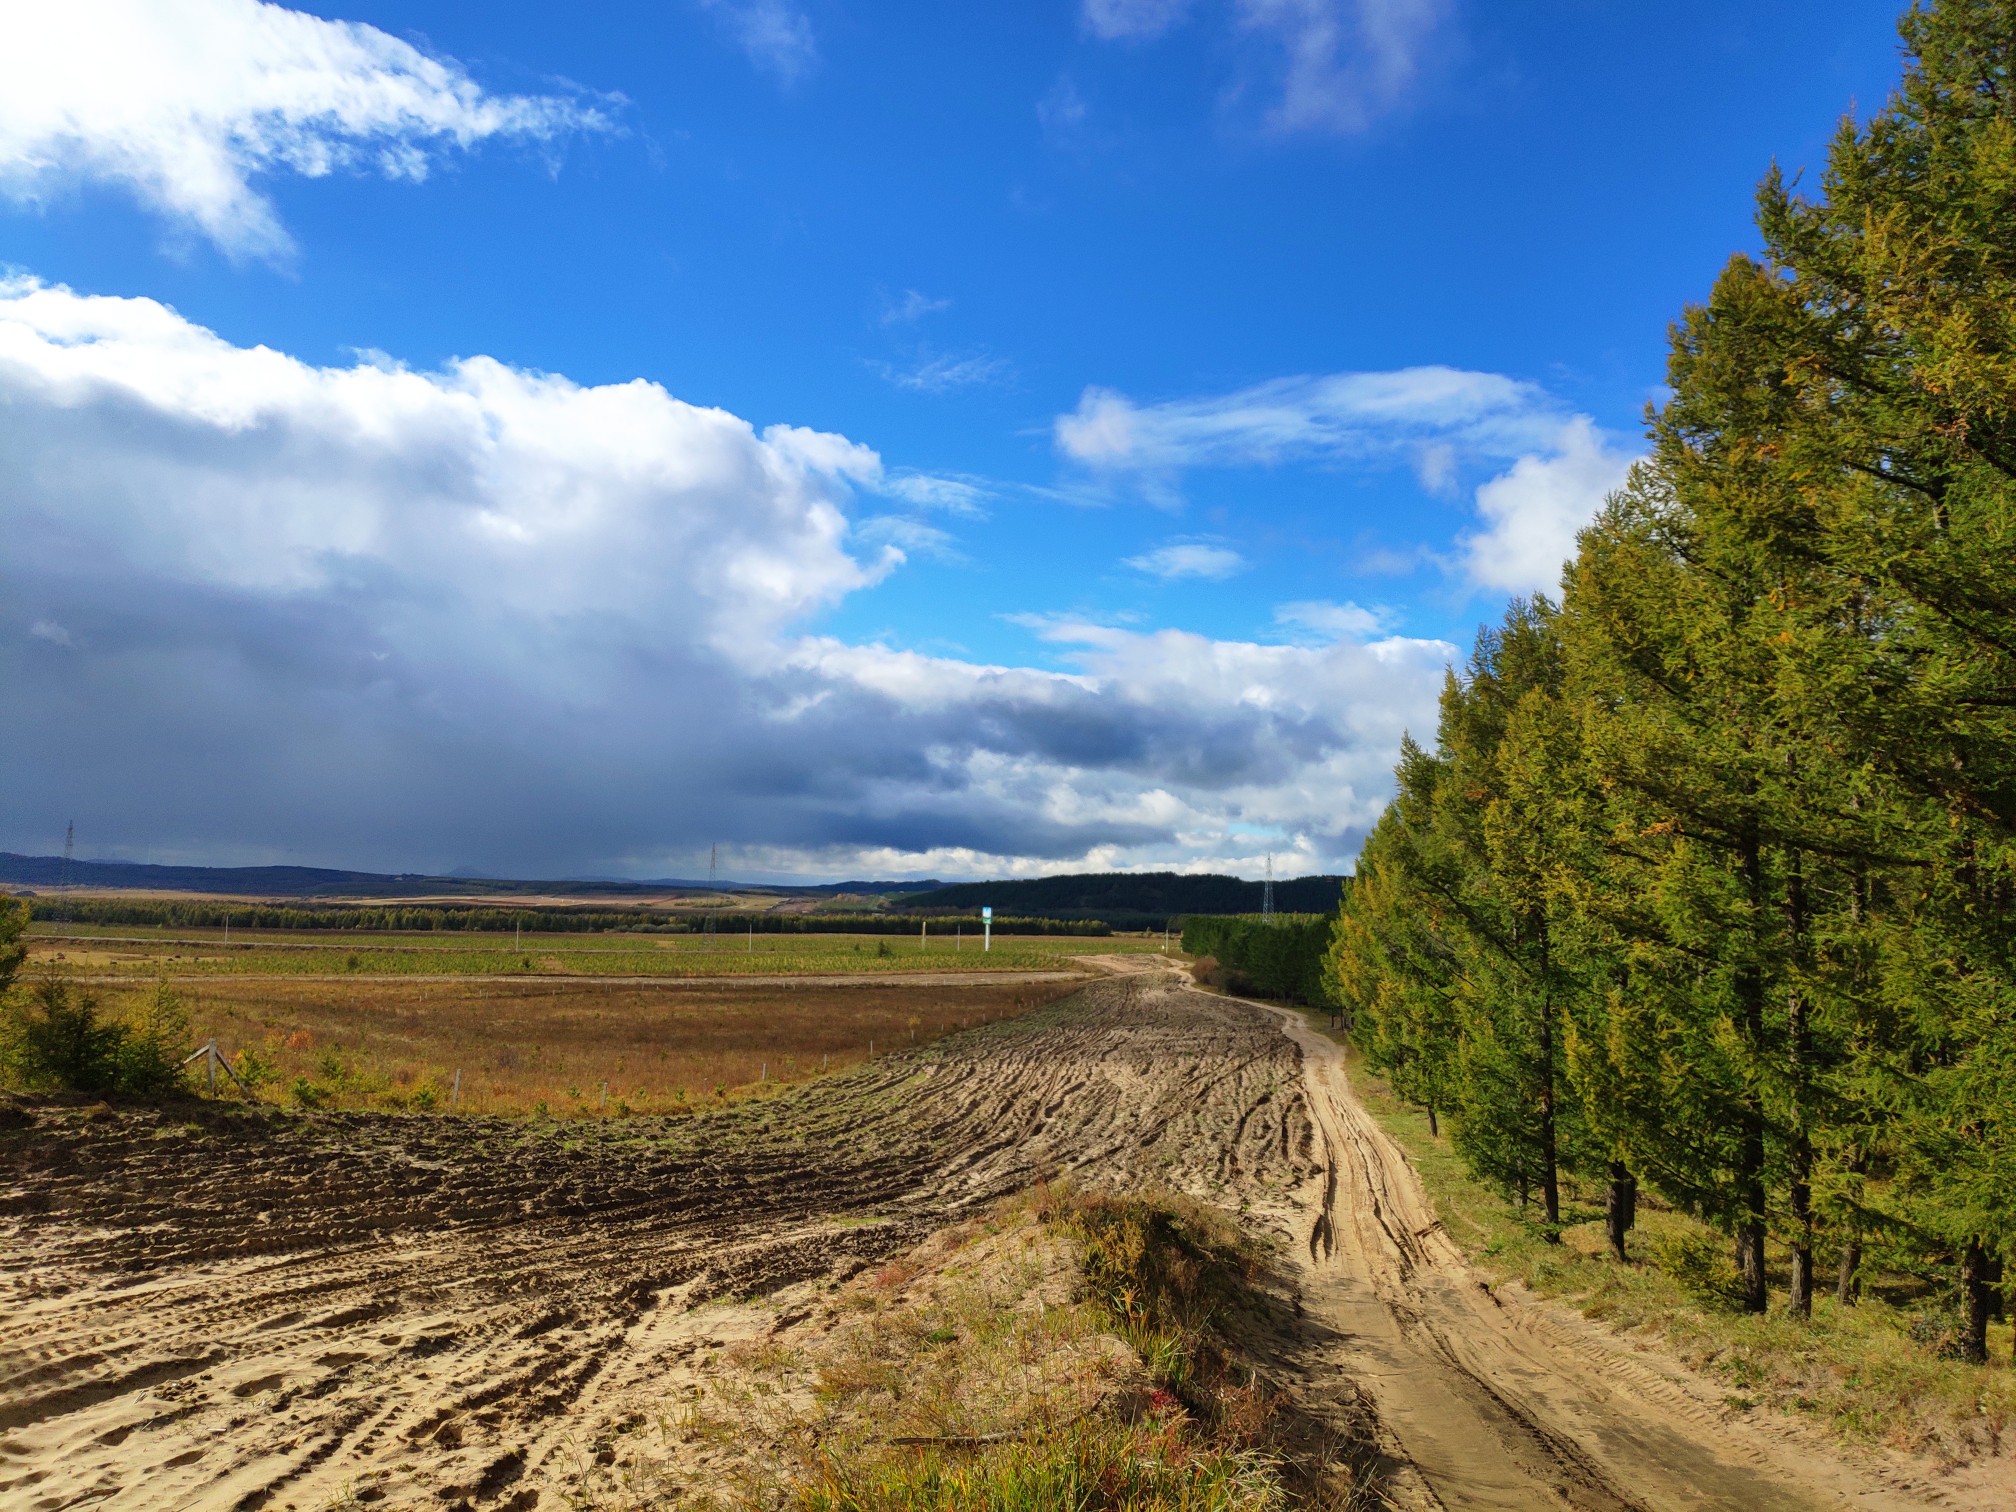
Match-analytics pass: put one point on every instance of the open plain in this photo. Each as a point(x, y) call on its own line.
point(232, 1307)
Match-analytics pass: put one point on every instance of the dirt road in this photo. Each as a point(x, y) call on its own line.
point(1498, 1402)
point(222, 1308)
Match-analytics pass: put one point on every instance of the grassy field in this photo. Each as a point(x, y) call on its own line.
point(550, 1047)
point(127, 951)
point(543, 1023)
point(1873, 1373)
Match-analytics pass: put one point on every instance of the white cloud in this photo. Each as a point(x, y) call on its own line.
point(911, 307)
point(1331, 621)
point(51, 632)
point(910, 536)
point(776, 35)
point(1344, 62)
point(1333, 65)
point(1188, 559)
point(943, 375)
point(956, 496)
point(1112, 20)
point(368, 615)
point(1336, 417)
point(1533, 511)
point(1062, 112)
point(1554, 467)
point(184, 102)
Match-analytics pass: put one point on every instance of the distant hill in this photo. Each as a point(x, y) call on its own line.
point(1128, 897)
point(323, 882)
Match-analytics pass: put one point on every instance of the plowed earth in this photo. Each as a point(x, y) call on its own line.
point(223, 1308)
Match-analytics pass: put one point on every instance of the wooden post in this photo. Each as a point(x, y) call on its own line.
point(605, 1097)
point(455, 1094)
point(210, 1061)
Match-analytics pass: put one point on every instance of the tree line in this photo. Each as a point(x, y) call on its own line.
point(212, 913)
point(1281, 957)
point(1708, 882)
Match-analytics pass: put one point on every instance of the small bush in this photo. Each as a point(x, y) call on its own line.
point(1699, 1263)
point(60, 1040)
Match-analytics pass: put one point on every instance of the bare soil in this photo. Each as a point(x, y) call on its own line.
point(213, 1307)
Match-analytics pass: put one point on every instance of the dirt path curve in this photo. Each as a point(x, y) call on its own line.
point(1499, 1402)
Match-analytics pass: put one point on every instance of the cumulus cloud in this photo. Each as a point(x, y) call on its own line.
point(774, 34)
point(1533, 511)
point(368, 615)
point(183, 103)
point(1188, 559)
point(1332, 65)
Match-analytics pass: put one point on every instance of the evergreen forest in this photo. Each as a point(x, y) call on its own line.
point(1706, 887)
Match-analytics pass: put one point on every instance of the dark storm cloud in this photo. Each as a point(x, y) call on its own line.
point(369, 617)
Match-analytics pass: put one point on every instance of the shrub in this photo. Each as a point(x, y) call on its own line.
point(60, 1040)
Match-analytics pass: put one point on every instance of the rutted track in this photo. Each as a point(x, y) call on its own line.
point(1496, 1402)
point(223, 1308)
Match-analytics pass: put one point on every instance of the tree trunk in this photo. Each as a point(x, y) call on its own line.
point(1550, 1170)
point(1621, 1210)
point(1975, 1286)
point(1849, 1285)
point(1434, 1130)
point(1799, 1054)
point(1749, 1172)
point(1752, 1294)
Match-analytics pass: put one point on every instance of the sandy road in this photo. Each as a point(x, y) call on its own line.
point(1494, 1401)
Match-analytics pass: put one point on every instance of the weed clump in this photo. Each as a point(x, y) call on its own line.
point(1150, 1466)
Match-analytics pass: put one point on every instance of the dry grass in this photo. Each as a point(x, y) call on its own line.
point(548, 1046)
point(1063, 1353)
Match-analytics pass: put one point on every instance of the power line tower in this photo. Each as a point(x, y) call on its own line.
point(69, 850)
point(1267, 895)
point(714, 894)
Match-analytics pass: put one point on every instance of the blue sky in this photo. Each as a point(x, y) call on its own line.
point(1165, 390)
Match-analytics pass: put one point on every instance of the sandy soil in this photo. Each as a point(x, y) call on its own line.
point(224, 1308)
point(215, 1308)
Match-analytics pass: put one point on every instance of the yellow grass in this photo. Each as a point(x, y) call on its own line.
point(549, 1046)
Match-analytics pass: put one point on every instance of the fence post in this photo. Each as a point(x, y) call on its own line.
point(455, 1095)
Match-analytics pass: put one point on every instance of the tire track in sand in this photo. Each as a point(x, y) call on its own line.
point(1498, 1402)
